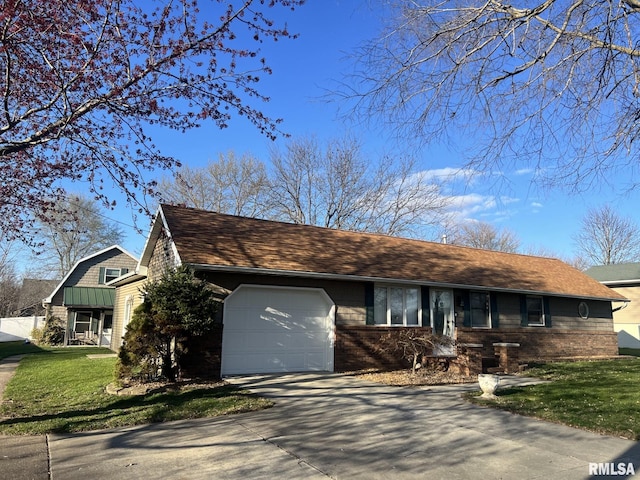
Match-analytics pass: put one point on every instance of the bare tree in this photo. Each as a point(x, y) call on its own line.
point(84, 83)
point(606, 238)
point(232, 184)
point(74, 229)
point(486, 236)
point(9, 283)
point(337, 187)
point(552, 84)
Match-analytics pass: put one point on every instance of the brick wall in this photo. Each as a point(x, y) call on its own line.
point(355, 349)
point(544, 343)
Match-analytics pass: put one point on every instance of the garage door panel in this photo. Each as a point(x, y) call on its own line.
point(275, 329)
point(266, 341)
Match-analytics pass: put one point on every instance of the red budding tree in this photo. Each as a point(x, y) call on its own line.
point(82, 84)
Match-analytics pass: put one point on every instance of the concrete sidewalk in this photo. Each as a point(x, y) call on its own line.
point(7, 369)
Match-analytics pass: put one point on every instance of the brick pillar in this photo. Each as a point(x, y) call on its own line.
point(507, 354)
point(469, 359)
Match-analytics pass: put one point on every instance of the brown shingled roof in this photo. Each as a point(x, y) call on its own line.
point(225, 241)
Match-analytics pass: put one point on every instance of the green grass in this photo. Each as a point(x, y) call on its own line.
point(61, 390)
point(8, 349)
point(602, 396)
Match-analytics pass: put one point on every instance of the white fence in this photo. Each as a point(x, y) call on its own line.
point(18, 328)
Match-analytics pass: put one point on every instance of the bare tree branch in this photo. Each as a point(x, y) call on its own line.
point(606, 238)
point(553, 85)
point(336, 187)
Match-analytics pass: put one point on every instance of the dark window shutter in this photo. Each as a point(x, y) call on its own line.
point(495, 317)
point(466, 298)
point(368, 303)
point(547, 312)
point(101, 276)
point(426, 309)
point(523, 311)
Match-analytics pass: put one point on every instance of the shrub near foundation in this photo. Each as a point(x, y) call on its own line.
point(175, 308)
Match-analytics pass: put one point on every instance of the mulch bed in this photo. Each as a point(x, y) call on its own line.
point(405, 378)
point(159, 387)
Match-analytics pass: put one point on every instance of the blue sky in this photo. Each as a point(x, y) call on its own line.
point(305, 69)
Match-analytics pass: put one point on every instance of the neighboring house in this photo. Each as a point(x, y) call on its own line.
point(301, 298)
point(84, 300)
point(623, 278)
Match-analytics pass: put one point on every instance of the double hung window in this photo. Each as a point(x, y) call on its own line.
point(394, 305)
point(535, 311)
point(480, 309)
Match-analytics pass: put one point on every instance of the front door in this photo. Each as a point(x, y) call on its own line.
point(442, 316)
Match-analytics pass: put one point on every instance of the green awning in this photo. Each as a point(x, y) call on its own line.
point(89, 297)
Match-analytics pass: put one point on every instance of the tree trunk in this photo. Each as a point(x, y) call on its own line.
point(167, 363)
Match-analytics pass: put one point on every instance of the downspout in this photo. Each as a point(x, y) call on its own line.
point(624, 305)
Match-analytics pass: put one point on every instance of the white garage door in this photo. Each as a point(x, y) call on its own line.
point(277, 329)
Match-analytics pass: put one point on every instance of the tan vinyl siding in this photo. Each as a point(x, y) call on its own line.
point(132, 290)
point(626, 321)
point(58, 311)
point(87, 274)
point(631, 313)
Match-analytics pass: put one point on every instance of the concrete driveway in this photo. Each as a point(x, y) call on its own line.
point(335, 426)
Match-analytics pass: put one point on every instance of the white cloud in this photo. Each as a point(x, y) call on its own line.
point(451, 175)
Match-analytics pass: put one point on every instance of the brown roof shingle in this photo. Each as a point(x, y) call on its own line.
point(218, 240)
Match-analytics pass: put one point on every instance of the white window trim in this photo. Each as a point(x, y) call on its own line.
point(388, 287)
point(109, 278)
point(75, 320)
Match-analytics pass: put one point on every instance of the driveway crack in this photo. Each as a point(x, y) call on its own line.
point(288, 452)
point(46, 442)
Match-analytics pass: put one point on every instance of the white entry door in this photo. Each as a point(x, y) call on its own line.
point(442, 316)
point(277, 329)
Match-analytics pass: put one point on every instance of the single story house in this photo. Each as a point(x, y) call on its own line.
point(84, 300)
point(623, 278)
point(301, 298)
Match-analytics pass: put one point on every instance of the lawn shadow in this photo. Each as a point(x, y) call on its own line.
point(151, 408)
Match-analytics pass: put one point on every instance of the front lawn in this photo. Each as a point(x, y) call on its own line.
point(8, 349)
point(601, 396)
point(61, 390)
